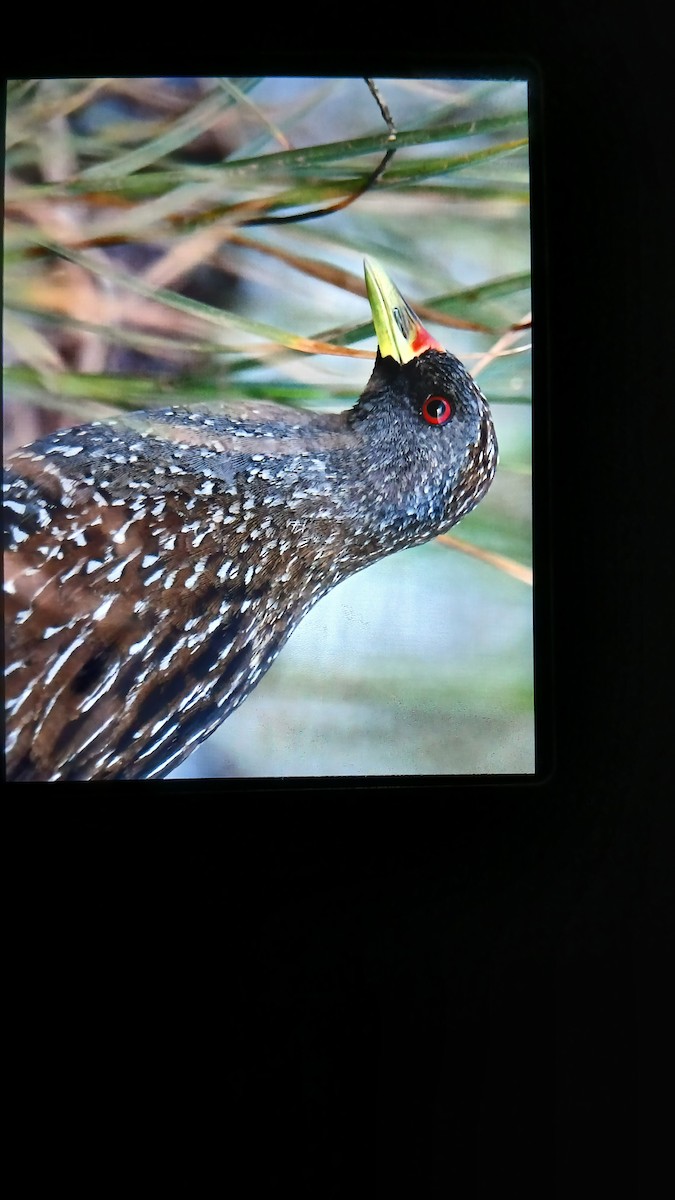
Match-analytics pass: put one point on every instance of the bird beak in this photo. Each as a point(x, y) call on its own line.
point(400, 333)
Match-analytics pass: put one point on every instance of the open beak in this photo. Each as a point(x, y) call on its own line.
point(400, 333)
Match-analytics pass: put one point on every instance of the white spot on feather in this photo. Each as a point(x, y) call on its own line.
point(103, 608)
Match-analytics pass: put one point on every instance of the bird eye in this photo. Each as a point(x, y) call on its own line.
point(437, 410)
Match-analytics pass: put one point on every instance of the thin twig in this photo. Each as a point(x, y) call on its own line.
point(508, 565)
point(502, 344)
point(312, 213)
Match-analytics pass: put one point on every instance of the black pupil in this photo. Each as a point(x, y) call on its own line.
point(436, 408)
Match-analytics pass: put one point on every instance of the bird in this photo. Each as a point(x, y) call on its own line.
point(156, 563)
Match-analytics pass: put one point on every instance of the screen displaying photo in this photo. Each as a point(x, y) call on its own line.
point(268, 428)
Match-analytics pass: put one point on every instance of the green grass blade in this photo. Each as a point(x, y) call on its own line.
point(183, 130)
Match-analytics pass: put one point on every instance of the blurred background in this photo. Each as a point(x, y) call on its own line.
point(162, 246)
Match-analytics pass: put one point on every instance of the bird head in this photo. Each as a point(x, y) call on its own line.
point(437, 448)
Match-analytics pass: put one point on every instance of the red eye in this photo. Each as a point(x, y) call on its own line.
point(436, 410)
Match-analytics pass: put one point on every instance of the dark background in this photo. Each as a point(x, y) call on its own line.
point(437, 990)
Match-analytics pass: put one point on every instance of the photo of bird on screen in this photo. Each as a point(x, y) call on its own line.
point(233, 384)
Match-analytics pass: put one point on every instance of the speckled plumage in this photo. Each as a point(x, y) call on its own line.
point(156, 564)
